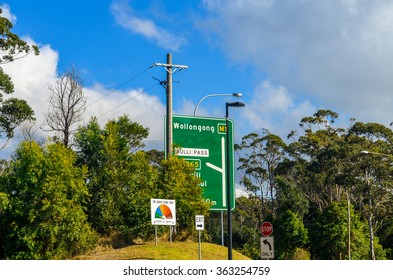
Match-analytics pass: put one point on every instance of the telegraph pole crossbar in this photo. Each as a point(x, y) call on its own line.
point(177, 66)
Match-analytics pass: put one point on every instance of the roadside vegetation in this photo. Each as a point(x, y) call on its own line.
point(327, 190)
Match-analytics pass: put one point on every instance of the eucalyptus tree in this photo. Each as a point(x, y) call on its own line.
point(246, 223)
point(260, 155)
point(321, 149)
point(373, 194)
point(310, 178)
point(13, 111)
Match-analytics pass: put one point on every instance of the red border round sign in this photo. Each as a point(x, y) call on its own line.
point(266, 228)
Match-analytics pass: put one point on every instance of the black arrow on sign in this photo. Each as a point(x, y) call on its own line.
point(268, 244)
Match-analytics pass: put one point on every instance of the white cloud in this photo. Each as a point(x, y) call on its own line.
point(187, 107)
point(273, 108)
point(124, 16)
point(338, 52)
point(141, 107)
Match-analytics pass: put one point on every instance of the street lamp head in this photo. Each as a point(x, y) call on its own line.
point(236, 94)
point(235, 104)
point(365, 152)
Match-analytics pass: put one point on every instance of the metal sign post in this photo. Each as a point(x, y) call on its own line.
point(199, 225)
point(155, 235)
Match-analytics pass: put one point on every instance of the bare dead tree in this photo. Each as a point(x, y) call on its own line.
point(66, 105)
point(31, 132)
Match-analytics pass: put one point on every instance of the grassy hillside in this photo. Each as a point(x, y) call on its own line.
point(163, 251)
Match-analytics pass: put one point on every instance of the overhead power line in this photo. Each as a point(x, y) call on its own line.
point(120, 86)
point(128, 100)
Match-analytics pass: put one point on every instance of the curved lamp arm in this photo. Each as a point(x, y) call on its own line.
point(238, 94)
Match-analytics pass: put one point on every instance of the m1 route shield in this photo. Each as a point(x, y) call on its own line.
point(201, 142)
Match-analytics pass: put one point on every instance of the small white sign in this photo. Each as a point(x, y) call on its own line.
point(267, 247)
point(200, 222)
point(163, 212)
point(192, 152)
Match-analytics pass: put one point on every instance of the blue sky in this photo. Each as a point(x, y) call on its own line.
point(288, 58)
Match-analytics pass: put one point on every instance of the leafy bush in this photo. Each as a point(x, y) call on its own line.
point(47, 198)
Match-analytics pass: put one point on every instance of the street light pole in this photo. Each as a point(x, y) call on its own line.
point(228, 173)
point(237, 94)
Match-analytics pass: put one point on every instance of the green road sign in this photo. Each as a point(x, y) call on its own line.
point(202, 143)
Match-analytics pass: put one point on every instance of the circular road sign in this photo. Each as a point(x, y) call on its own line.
point(266, 229)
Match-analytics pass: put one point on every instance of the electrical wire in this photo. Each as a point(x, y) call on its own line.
point(128, 100)
point(120, 86)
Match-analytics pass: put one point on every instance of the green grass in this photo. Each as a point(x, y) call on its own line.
point(163, 251)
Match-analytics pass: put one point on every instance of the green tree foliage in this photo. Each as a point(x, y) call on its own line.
point(290, 234)
point(373, 188)
point(245, 226)
point(120, 182)
point(12, 111)
point(47, 195)
point(322, 149)
point(290, 196)
point(324, 166)
point(177, 181)
point(4, 201)
point(12, 47)
point(246, 223)
point(329, 234)
point(137, 198)
point(385, 234)
point(155, 156)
